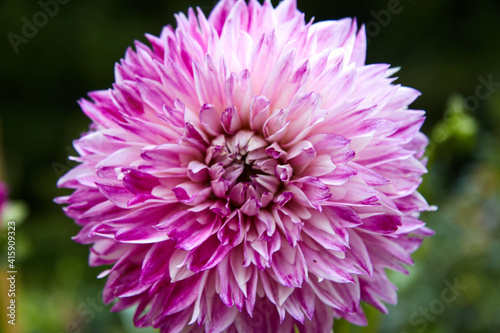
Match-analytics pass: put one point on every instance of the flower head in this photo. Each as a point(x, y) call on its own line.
point(248, 172)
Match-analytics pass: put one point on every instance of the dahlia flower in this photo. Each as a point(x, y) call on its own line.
point(249, 173)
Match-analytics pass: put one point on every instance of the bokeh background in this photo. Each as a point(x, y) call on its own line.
point(448, 49)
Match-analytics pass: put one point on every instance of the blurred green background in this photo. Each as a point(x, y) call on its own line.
point(447, 49)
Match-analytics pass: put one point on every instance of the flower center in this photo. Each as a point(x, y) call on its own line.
point(247, 172)
point(243, 169)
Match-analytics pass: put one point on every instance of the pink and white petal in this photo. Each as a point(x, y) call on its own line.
point(289, 266)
